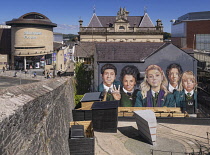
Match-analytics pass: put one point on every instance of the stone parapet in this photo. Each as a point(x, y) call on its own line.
point(34, 118)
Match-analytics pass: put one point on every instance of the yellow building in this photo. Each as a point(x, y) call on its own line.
point(121, 28)
point(3, 61)
point(32, 40)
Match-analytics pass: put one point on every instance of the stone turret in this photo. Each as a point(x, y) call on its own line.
point(159, 25)
point(122, 14)
point(80, 22)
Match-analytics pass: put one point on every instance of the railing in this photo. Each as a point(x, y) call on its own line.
point(130, 29)
point(204, 101)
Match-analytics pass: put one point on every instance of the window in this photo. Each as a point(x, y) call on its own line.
point(121, 28)
point(203, 42)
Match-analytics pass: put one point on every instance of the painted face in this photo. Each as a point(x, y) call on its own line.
point(154, 78)
point(108, 77)
point(174, 76)
point(188, 84)
point(129, 82)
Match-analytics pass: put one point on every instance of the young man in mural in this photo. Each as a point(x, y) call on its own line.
point(127, 94)
point(108, 73)
point(187, 93)
point(173, 72)
point(153, 90)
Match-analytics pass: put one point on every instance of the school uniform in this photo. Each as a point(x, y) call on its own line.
point(101, 87)
point(181, 98)
point(171, 88)
point(128, 99)
point(108, 90)
point(158, 100)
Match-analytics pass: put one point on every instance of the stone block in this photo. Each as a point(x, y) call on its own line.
point(147, 125)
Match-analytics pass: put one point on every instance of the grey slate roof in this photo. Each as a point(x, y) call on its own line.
point(84, 49)
point(57, 46)
point(146, 21)
point(126, 52)
point(97, 21)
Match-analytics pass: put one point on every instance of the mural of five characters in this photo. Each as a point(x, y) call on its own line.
point(176, 89)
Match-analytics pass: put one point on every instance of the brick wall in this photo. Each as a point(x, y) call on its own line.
point(196, 27)
point(34, 118)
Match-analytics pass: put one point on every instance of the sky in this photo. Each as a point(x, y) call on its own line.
point(67, 13)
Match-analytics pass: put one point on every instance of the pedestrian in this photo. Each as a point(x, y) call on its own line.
point(34, 74)
point(15, 74)
point(50, 75)
point(3, 69)
point(59, 73)
point(47, 75)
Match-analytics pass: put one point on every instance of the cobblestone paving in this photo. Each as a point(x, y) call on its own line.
point(176, 138)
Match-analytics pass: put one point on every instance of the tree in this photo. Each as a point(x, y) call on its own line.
point(166, 35)
point(83, 78)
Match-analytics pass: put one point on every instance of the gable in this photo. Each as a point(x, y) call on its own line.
point(95, 22)
point(171, 54)
point(146, 21)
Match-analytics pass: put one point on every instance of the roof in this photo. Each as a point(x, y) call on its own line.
point(126, 51)
point(195, 16)
point(32, 18)
point(57, 46)
point(188, 50)
point(104, 21)
point(84, 49)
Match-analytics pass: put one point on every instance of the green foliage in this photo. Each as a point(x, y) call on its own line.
point(77, 99)
point(83, 78)
point(71, 37)
point(166, 35)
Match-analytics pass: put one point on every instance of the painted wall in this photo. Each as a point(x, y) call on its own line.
point(163, 58)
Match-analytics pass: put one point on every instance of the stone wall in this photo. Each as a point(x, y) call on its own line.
point(34, 118)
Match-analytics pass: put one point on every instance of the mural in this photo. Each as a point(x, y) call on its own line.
point(173, 89)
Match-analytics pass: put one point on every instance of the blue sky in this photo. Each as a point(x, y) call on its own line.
point(66, 13)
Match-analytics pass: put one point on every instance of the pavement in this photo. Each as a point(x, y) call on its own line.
point(176, 139)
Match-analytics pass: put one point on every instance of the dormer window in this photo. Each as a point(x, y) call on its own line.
point(121, 28)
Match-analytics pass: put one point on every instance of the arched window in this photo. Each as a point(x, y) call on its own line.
point(122, 28)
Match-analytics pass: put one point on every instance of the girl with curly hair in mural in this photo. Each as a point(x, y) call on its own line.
point(154, 91)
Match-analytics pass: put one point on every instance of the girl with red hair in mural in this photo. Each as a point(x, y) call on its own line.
point(154, 91)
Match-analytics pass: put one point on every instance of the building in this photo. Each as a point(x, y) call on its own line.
point(31, 40)
point(5, 45)
point(121, 28)
point(140, 55)
point(192, 30)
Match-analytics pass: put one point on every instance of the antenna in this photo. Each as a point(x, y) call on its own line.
point(94, 8)
point(145, 9)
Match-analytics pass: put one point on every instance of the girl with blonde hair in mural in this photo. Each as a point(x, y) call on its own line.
point(187, 92)
point(154, 91)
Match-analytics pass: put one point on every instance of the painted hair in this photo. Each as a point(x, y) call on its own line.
point(129, 70)
point(188, 75)
point(174, 65)
point(145, 86)
point(108, 66)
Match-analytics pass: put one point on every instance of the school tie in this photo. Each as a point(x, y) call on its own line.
point(129, 94)
point(155, 99)
point(189, 96)
point(109, 91)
